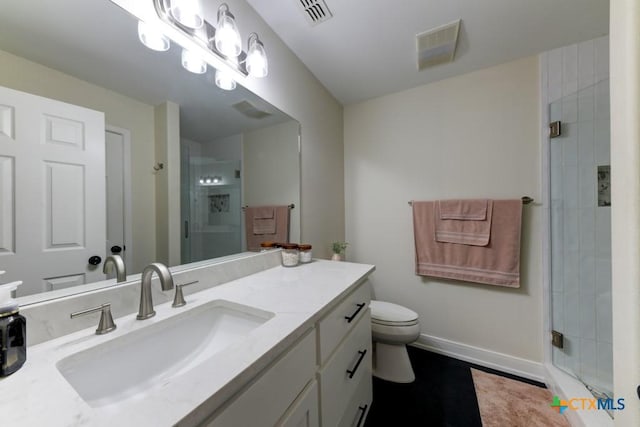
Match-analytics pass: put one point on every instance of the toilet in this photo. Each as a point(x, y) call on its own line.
point(393, 327)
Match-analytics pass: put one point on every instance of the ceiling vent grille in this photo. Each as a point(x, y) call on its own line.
point(316, 11)
point(437, 46)
point(250, 110)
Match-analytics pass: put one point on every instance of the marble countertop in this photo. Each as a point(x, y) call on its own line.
point(39, 395)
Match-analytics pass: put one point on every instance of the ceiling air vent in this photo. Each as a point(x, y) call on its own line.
point(250, 110)
point(316, 11)
point(438, 45)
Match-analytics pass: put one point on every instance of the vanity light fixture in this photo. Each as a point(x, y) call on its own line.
point(220, 46)
point(152, 38)
point(257, 64)
point(186, 12)
point(224, 80)
point(227, 37)
point(192, 61)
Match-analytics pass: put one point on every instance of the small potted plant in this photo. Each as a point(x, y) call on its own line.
point(338, 250)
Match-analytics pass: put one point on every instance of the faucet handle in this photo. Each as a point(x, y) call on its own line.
point(106, 323)
point(178, 299)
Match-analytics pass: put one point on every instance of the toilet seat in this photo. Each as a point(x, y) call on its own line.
point(389, 314)
point(394, 324)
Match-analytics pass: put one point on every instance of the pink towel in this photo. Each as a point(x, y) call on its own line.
point(466, 210)
point(257, 227)
point(466, 222)
point(498, 263)
point(264, 220)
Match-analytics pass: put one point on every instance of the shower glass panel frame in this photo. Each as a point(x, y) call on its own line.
point(581, 237)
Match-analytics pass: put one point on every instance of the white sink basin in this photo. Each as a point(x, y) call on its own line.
point(126, 366)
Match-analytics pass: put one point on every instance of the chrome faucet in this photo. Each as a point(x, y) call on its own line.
point(118, 263)
point(166, 282)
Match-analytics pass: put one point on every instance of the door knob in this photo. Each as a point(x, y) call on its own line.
point(95, 260)
point(116, 249)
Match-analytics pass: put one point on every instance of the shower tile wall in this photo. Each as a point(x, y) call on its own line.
point(578, 94)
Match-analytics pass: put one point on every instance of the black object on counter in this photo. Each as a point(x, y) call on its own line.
point(13, 342)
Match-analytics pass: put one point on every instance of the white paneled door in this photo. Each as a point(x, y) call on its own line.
point(52, 192)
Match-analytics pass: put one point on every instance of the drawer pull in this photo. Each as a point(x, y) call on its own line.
point(353, 316)
point(364, 411)
point(352, 372)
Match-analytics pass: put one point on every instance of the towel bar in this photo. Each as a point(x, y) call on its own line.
point(291, 206)
point(525, 200)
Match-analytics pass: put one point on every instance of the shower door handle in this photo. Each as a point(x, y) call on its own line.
point(186, 229)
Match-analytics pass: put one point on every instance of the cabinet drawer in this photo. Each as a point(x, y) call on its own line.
point(264, 401)
point(356, 412)
point(340, 377)
point(335, 325)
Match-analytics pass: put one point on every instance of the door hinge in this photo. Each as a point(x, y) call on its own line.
point(557, 339)
point(555, 129)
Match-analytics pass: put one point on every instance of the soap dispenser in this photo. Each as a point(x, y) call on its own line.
point(13, 332)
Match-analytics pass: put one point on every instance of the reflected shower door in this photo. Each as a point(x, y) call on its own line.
point(212, 210)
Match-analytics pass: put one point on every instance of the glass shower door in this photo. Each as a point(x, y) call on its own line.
point(581, 237)
point(211, 208)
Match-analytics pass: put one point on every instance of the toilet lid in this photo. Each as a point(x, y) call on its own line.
point(387, 312)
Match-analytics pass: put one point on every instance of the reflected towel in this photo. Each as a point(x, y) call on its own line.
point(256, 235)
point(498, 263)
point(264, 220)
point(466, 222)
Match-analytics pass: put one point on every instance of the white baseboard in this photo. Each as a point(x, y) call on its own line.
point(483, 357)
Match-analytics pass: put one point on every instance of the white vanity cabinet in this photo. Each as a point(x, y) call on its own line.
point(345, 366)
point(304, 412)
point(322, 380)
point(267, 399)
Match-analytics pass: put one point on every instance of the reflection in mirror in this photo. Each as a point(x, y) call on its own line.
point(177, 152)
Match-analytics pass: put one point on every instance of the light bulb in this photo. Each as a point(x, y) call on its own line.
point(152, 38)
point(224, 80)
point(257, 64)
point(216, 179)
point(193, 62)
point(227, 37)
point(208, 180)
point(201, 181)
point(187, 12)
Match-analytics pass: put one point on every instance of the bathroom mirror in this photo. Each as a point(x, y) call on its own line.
point(87, 53)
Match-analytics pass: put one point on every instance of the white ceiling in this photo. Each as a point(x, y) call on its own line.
point(368, 48)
